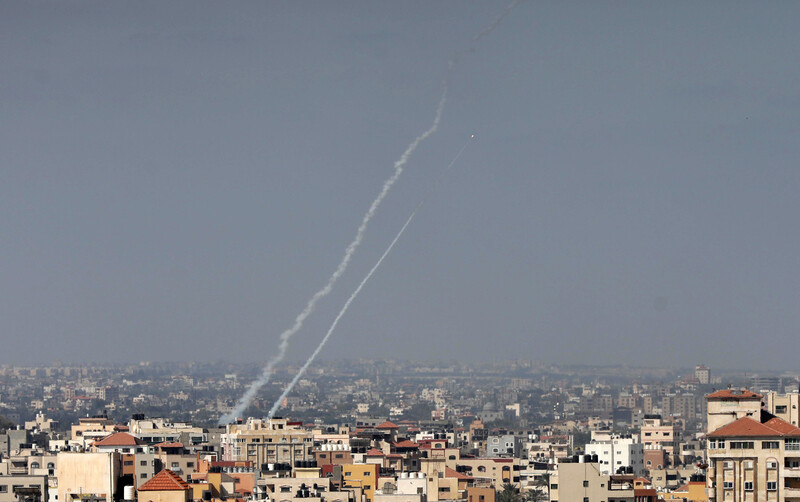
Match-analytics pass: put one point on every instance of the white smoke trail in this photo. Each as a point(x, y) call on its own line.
point(322, 343)
point(283, 346)
point(250, 394)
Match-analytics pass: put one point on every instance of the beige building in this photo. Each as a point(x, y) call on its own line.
point(496, 471)
point(18, 488)
point(81, 474)
point(90, 429)
point(584, 482)
point(725, 406)
point(702, 374)
point(783, 406)
point(659, 435)
point(754, 456)
point(267, 442)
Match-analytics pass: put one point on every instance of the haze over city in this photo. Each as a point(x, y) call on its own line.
point(179, 178)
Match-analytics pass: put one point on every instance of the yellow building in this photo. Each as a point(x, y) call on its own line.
point(694, 491)
point(364, 476)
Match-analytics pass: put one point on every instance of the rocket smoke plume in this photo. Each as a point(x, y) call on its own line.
point(339, 316)
point(248, 396)
point(322, 343)
point(399, 164)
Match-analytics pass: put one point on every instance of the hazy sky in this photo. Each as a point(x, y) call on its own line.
point(178, 178)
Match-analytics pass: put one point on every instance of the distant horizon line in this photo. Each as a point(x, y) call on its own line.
point(443, 362)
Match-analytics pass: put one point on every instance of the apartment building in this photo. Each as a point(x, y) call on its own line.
point(726, 406)
point(583, 481)
point(618, 451)
point(267, 441)
point(660, 435)
point(754, 456)
point(784, 406)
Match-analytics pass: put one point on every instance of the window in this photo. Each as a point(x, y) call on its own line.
point(792, 444)
point(286, 489)
point(3, 488)
point(190, 464)
point(780, 409)
point(128, 462)
point(143, 463)
point(143, 475)
point(772, 486)
point(748, 464)
point(748, 486)
point(770, 445)
point(585, 484)
point(728, 464)
point(554, 486)
point(728, 485)
point(772, 465)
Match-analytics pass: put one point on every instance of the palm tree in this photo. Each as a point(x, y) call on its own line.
point(509, 493)
point(543, 483)
point(534, 495)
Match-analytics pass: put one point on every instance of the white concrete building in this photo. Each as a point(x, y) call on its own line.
point(618, 451)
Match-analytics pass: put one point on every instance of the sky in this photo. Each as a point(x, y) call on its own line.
point(178, 178)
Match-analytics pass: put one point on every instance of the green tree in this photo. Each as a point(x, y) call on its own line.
point(509, 493)
point(534, 495)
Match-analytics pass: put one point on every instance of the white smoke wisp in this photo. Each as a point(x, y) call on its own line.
point(339, 316)
point(283, 346)
point(358, 289)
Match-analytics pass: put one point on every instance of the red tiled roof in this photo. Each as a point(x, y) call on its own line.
point(405, 444)
point(782, 426)
point(734, 394)
point(374, 452)
point(387, 425)
point(168, 445)
point(747, 427)
point(165, 480)
point(450, 473)
point(119, 439)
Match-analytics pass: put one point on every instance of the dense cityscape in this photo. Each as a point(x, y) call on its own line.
point(398, 431)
